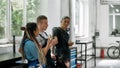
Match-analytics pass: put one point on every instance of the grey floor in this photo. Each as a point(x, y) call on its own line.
point(103, 63)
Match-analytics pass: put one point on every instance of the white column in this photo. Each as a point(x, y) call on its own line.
point(72, 16)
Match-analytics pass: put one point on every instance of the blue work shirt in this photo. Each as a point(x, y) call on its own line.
point(31, 51)
point(31, 54)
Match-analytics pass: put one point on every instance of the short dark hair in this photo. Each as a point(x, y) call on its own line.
point(65, 17)
point(41, 17)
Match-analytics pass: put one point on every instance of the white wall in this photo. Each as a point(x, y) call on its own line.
point(56, 10)
point(86, 18)
point(52, 9)
point(43, 7)
point(53, 14)
point(103, 26)
point(65, 8)
point(92, 17)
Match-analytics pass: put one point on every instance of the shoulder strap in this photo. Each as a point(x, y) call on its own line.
point(46, 33)
point(42, 36)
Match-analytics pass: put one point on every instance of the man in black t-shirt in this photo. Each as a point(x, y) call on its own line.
point(62, 48)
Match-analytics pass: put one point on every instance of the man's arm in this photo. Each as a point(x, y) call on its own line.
point(55, 31)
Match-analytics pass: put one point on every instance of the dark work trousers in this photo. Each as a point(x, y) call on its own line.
point(60, 63)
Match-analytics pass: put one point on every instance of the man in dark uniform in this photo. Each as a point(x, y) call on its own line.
point(62, 48)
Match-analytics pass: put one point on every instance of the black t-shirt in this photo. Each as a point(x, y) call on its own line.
point(62, 48)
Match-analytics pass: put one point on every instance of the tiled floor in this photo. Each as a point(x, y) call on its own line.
point(103, 63)
point(108, 63)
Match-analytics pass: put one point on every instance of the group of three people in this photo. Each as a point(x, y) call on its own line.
point(36, 44)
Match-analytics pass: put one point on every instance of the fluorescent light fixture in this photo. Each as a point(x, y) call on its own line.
point(112, 6)
point(117, 10)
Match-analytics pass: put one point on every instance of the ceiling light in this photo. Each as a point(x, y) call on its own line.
point(112, 6)
point(117, 10)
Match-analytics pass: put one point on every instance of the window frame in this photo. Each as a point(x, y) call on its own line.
point(8, 24)
point(113, 14)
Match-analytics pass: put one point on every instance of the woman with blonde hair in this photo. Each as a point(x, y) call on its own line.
point(31, 49)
